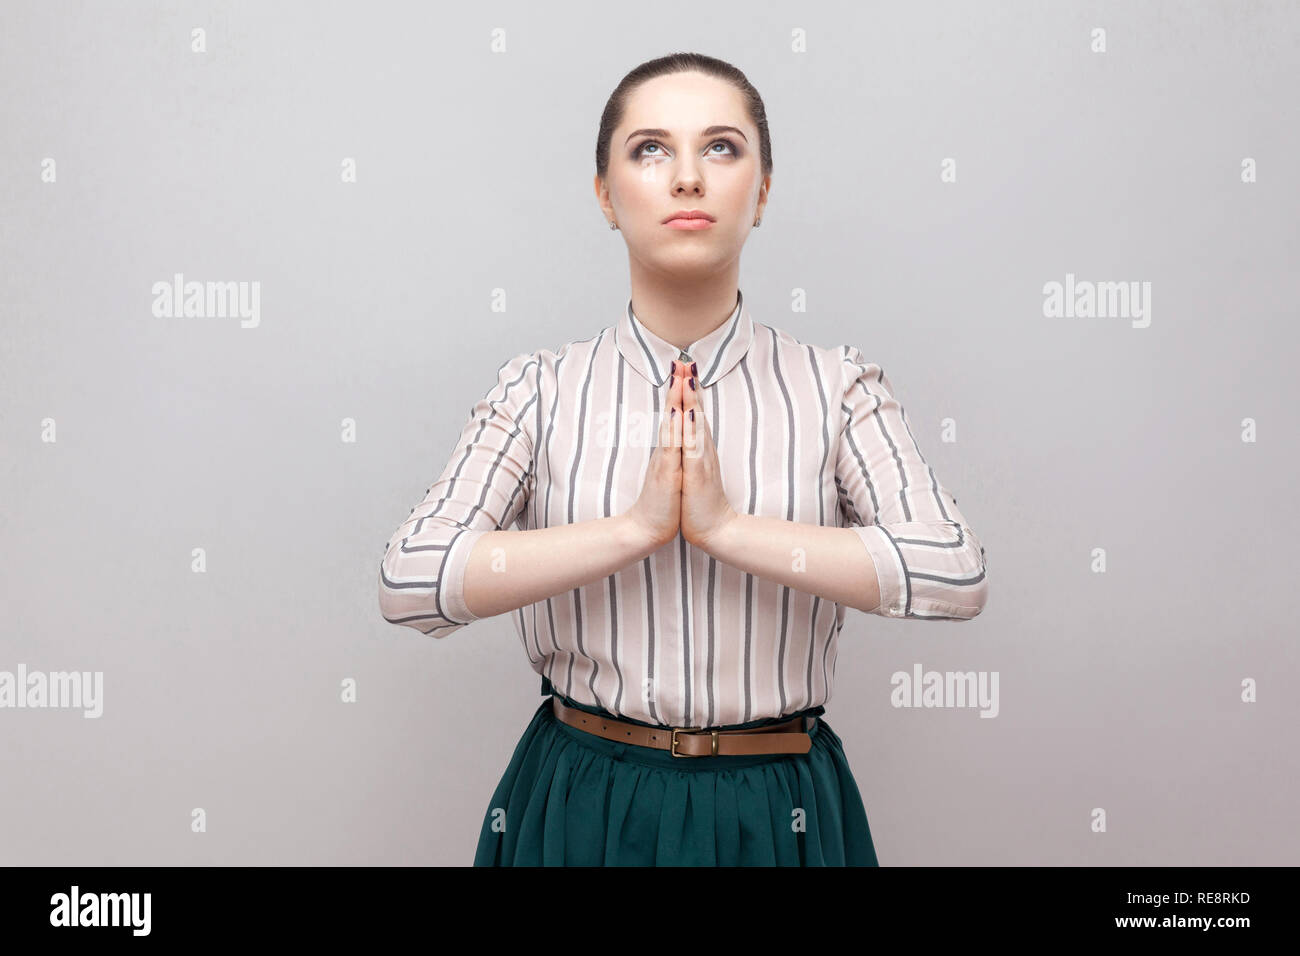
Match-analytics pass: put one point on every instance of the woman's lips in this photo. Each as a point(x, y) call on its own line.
point(689, 223)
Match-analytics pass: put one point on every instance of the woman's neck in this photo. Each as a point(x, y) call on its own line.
point(683, 311)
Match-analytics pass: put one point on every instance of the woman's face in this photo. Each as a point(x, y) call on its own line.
point(702, 153)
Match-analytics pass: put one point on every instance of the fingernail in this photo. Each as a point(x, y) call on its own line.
point(695, 368)
point(692, 385)
point(673, 412)
point(672, 369)
point(692, 414)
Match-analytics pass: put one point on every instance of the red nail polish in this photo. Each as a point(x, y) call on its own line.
point(695, 368)
point(692, 414)
point(673, 412)
point(692, 385)
point(672, 369)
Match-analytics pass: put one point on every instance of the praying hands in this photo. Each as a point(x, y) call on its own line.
point(683, 492)
point(683, 484)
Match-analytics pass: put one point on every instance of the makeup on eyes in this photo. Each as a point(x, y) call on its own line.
point(636, 151)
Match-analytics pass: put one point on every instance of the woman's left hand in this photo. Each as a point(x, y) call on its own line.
point(705, 510)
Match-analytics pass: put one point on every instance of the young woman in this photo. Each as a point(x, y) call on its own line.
point(678, 511)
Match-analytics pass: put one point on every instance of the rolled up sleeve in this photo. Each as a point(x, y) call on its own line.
point(483, 487)
point(929, 563)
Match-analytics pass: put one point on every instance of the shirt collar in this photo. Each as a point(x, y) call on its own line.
point(716, 354)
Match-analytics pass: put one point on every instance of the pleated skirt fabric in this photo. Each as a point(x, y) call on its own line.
point(570, 798)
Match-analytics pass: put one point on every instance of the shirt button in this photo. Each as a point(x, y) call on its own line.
point(684, 357)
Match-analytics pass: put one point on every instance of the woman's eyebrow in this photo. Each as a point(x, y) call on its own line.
point(707, 131)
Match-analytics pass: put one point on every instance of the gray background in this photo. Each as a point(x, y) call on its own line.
point(1118, 690)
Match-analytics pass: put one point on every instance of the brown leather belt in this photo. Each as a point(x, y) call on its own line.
point(788, 737)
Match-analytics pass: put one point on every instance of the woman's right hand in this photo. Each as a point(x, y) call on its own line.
point(657, 511)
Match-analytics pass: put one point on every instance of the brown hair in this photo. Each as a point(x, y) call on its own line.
point(680, 63)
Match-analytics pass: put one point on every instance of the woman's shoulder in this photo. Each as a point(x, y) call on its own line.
point(548, 358)
point(844, 360)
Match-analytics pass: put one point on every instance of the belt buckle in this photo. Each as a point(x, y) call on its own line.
point(672, 747)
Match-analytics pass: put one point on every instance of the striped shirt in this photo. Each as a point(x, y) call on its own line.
point(803, 433)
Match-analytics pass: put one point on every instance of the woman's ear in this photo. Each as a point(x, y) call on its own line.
point(602, 197)
point(764, 188)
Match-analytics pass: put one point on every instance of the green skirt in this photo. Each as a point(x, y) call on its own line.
point(570, 798)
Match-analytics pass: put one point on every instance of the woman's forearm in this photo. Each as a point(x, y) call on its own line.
point(510, 569)
point(828, 562)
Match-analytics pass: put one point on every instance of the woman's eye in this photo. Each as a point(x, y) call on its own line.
point(659, 150)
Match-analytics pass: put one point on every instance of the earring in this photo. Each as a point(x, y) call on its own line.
point(613, 225)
